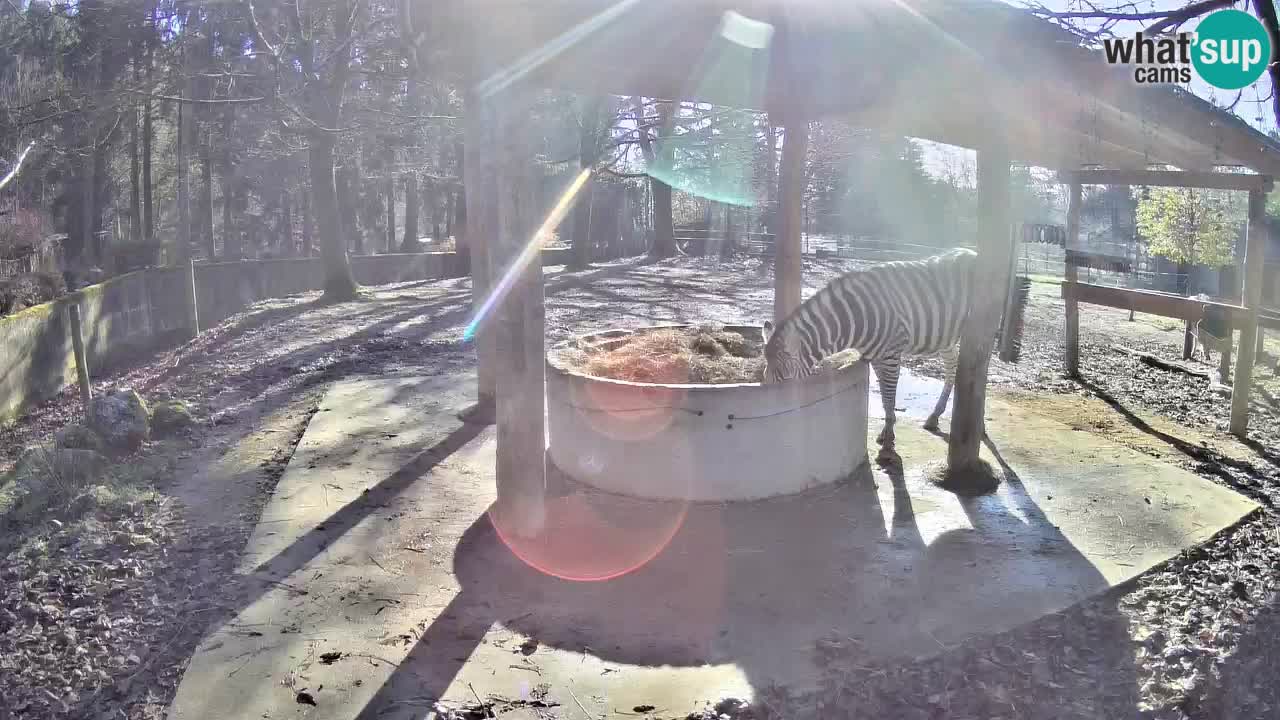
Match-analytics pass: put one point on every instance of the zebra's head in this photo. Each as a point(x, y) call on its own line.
point(781, 354)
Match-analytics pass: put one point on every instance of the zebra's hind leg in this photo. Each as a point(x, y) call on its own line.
point(887, 373)
point(950, 357)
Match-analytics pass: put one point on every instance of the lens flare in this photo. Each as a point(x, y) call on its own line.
point(716, 160)
point(590, 536)
point(530, 251)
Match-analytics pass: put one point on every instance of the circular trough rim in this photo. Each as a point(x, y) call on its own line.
point(554, 365)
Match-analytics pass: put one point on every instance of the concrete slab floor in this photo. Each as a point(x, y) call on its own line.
point(376, 545)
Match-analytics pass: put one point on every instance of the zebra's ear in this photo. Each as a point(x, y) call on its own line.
point(768, 329)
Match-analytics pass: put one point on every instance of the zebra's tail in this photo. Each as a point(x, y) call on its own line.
point(1014, 319)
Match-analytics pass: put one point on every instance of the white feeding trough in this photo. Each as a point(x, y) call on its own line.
point(704, 442)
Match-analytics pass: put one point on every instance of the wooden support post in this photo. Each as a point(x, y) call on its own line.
point(1224, 362)
point(519, 360)
point(193, 303)
point(968, 426)
point(788, 263)
point(82, 361)
point(1188, 339)
point(1070, 278)
point(1251, 296)
point(481, 188)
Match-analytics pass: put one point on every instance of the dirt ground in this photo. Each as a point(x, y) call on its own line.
point(91, 628)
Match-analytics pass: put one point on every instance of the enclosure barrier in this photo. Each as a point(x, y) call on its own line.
point(142, 312)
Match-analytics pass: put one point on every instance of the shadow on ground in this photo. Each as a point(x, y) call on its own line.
point(801, 593)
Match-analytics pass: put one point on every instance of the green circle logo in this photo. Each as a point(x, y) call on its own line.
point(1232, 49)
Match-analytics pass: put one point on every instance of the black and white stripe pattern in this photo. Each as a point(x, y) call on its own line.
point(884, 312)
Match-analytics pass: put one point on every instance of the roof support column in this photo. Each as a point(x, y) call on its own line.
point(787, 257)
point(965, 472)
point(1251, 297)
point(480, 186)
point(515, 271)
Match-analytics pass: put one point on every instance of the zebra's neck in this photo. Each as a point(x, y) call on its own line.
point(833, 320)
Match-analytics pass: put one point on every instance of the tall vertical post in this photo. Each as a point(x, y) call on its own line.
point(481, 188)
point(1069, 280)
point(1251, 297)
point(519, 361)
point(968, 426)
point(82, 361)
point(787, 253)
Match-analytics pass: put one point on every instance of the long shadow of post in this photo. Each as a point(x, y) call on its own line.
point(719, 591)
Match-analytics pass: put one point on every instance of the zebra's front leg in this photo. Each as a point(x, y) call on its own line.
point(887, 373)
point(950, 357)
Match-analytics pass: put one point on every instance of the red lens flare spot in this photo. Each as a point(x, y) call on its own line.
point(589, 536)
point(628, 412)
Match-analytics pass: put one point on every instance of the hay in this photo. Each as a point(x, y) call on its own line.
point(704, 355)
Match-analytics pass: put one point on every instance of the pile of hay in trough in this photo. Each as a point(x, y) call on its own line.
point(707, 354)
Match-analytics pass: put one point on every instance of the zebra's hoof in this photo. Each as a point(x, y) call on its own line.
point(888, 457)
point(931, 423)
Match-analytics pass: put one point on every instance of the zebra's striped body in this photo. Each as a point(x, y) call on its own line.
point(884, 312)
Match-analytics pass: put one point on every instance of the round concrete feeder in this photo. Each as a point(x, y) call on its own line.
point(705, 442)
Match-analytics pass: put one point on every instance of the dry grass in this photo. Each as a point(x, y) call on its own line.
point(707, 354)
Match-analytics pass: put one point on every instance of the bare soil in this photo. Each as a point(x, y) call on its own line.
point(136, 589)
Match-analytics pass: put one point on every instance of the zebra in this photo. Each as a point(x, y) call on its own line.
point(884, 312)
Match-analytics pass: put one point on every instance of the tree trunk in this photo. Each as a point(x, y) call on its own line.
point(206, 197)
point(88, 241)
point(183, 250)
point(288, 246)
point(460, 202)
point(390, 191)
point(580, 257)
point(227, 172)
point(448, 214)
point(411, 203)
point(460, 223)
point(345, 185)
point(148, 213)
point(148, 197)
point(307, 245)
point(233, 239)
point(339, 283)
point(664, 232)
point(135, 189)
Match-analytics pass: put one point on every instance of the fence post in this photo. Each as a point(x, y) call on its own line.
point(82, 363)
point(193, 311)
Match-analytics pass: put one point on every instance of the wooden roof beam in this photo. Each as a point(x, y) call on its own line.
point(1171, 178)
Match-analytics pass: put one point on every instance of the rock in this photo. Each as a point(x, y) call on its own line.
point(57, 471)
point(78, 437)
point(170, 417)
point(121, 418)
